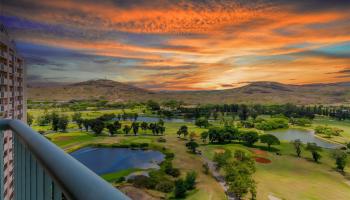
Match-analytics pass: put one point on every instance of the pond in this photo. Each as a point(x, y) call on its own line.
point(304, 135)
point(109, 160)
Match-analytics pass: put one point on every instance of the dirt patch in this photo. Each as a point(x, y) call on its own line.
point(272, 197)
point(219, 150)
point(262, 160)
point(259, 152)
point(63, 138)
point(136, 193)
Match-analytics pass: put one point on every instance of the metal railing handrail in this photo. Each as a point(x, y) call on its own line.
point(74, 179)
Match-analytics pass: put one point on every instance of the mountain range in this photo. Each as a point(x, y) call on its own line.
point(256, 92)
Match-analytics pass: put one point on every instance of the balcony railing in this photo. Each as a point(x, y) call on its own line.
point(44, 171)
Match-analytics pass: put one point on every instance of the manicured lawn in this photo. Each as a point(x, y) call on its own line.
point(286, 177)
point(289, 177)
point(344, 125)
point(116, 175)
point(207, 187)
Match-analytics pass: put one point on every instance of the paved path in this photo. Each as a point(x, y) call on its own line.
point(221, 179)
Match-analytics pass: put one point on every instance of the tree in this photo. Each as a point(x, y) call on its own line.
point(340, 159)
point(183, 130)
point(314, 149)
point(180, 188)
point(192, 135)
point(204, 136)
point(153, 127)
point(269, 140)
point(86, 124)
point(29, 119)
point(297, 146)
point(117, 125)
point(253, 113)
point(136, 116)
point(54, 121)
point(250, 137)
point(192, 145)
point(126, 129)
point(240, 155)
point(202, 122)
point(161, 122)
point(215, 115)
point(97, 126)
point(62, 123)
point(76, 117)
point(135, 127)
point(144, 126)
point(222, 158)
point(190, 180)
point(243, 112)
point(239, 176)
point(111, 129)
point(153, 105)
point(44, 119)
point(161, 129)
point(206, 168)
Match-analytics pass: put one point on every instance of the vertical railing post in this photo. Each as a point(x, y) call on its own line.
point(2, 165)
point(16, 164)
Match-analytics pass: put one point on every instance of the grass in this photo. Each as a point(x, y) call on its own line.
point(286, 177)
point(207, 187)
point(344, 125)
point(111, 177)
point(289, 177)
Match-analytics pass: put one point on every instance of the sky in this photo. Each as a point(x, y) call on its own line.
point(182, 45)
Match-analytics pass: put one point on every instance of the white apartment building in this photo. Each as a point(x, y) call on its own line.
point(12, 101)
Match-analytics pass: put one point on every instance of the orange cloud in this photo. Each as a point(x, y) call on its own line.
point(200, 45)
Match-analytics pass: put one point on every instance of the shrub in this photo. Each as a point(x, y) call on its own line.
point(328, 131)
point(190, 180)
point(42, 132)
point(141, 181)
point(165, 186)
point(97, 126)
point(206, 168)
point(202, 122)
point(180, 188)
point(301, 121)
point(161, 139)
point(120, 180)
point(143, 145)
point(222, 158)
point(174, 172)
point(250, 137)
point(269, 140)
point(169, 155)
point(272, 124)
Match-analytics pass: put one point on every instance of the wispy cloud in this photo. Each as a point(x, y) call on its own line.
point(164, 44)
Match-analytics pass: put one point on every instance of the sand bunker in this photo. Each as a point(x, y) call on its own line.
point(262, 160)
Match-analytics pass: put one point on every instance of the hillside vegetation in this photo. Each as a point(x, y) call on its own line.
point(257, 92)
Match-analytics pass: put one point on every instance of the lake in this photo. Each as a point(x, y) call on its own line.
point(108, 160)
point(304, 135)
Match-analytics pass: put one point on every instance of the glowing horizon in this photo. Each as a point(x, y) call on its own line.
point(186, 45)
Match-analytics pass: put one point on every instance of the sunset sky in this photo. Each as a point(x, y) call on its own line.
point(182, 45)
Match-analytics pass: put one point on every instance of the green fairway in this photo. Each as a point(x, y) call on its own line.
point(289, 177)
point(344, 125)
point(285, 177)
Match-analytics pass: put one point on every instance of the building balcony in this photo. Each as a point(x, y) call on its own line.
point(3, 81)
point(3, 68)
point(3, 54)
point(44, 171)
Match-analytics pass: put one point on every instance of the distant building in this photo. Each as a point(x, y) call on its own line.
point(12, 101)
